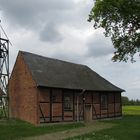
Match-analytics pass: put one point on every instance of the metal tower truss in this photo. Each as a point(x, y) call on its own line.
point(4, 77)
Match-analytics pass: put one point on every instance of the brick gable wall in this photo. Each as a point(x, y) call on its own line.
point(22, 93)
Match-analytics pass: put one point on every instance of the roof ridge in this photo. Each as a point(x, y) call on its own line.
point(54, 59)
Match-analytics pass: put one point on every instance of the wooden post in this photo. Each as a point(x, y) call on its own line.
point(114, 106)
point(78, 103)
point(77, 108)
point(62, 105)
point(73, 106)
point(50, 105)
point(120, 104)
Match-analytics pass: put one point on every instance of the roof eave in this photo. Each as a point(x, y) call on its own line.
point(45, 86)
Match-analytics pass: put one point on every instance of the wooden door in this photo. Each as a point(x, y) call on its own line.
point(88, 113)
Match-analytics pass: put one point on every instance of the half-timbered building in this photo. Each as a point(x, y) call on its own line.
point(43, 90)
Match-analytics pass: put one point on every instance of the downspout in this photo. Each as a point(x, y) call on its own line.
point(83, 90)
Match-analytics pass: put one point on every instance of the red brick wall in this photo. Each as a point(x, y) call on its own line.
point(22, 93)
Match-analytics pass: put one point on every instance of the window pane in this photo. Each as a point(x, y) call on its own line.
point(103, 101)
point(53, 98)
point(67, 103)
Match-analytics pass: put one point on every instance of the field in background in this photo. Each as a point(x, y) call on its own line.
point(127, 128)
point(131, 110)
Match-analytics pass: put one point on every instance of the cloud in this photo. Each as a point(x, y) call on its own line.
point(98, 45)
point(59, 29)
point(45, 16)
point(42, 16)
point(133, 93)
point(50, 33)
point(28, 11)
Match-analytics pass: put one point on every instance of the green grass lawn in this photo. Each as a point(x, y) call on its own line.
point(127, 128)
point(14, 129)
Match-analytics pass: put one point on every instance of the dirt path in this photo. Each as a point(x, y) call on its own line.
point(89, 127)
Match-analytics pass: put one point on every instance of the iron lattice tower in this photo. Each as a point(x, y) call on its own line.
point(4, 76)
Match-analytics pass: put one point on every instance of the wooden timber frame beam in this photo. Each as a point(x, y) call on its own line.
point(77, 102)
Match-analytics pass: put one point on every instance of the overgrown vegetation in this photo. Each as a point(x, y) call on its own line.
point(127, 128)
point(3, 112)
point(14, 129)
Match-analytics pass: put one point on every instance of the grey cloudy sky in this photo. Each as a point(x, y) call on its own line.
point(59, 29)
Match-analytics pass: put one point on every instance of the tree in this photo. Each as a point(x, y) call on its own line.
point(125, 100)
point(121, 21)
